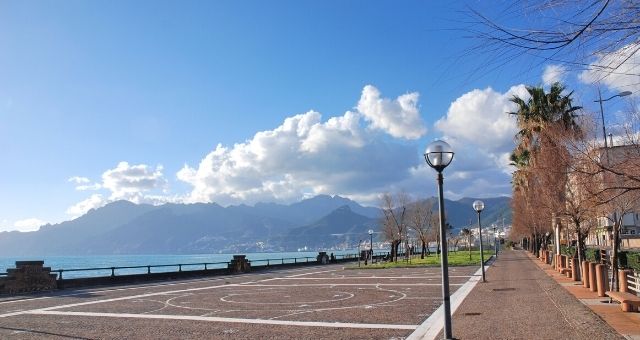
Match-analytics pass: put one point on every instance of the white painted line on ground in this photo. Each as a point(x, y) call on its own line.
point(303, 274)
point(362, 277)
point(350, 284)
point(430, 328)
point(233, 320)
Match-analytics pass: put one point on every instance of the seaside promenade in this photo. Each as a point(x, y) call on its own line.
point(520, 300)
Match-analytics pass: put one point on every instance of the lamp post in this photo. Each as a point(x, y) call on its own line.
point(439, 155)
point(371, 244)
point(495, 241)
point(600, 100)
point(604, 135)
point(478, 206)
point(359, 253)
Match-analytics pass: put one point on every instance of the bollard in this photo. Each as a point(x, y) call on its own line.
point(574, 270)
point(601, 279)
point(585, 274)
point(624, 288)
point(592, 277)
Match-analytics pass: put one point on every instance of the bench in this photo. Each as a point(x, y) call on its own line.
point(625, 298)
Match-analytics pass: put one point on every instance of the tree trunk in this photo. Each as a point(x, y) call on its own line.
point(579, 251)
point(469, 246)
point(424, 249)
point(614, 255)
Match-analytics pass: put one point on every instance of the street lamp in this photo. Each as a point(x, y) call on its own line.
point(478, 206)
point(371, 244)
point(495, 241)
point(600, 100)
point(439, 155)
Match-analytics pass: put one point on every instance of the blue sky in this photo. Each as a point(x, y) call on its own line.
point(239, 102)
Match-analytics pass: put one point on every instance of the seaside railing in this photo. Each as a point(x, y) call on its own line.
point(141, 269)
point(180, 267)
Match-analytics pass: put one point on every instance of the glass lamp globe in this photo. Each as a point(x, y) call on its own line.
point(438, 155)
point(478, 206)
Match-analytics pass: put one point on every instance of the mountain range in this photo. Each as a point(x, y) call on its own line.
point(321, 222)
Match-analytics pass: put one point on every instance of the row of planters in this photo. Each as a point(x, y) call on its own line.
point(626, 259)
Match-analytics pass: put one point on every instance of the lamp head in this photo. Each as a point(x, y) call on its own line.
point(478, 206)
point(438, 155)
point(370, 231)
point(624, 93)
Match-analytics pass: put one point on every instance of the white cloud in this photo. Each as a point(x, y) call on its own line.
point(79, 180)
point(29, 224)
point(553, 73)
point(481, 132)
point(131, 181)
point(480, 118)
point(93, 202)
point(618, 70)
point(82, 183)
point(345, 155)
point(306, 156)
point(400, 117)
point(136, 183)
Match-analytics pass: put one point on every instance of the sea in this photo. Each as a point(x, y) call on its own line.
point(89, 266)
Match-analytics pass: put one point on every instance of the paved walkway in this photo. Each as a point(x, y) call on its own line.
point(520, 301)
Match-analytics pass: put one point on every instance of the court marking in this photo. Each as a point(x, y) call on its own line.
point(141, 296)
point(350, 284)
point(230, 320)
point(53, 310)
point(432, 326)
point(156, 285)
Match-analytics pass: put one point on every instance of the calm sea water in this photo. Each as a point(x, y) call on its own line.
point(189, 262)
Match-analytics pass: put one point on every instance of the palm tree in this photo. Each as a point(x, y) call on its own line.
point(533, 115)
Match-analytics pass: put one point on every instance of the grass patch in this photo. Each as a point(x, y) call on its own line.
point(459, 258)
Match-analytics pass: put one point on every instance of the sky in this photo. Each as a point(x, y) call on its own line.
point(246, 101)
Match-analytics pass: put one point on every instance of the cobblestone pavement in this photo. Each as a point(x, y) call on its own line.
point(319, 302)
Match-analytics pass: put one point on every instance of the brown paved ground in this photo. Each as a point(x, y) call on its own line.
point(627, 324)
point(397, 300)
point(520, 301)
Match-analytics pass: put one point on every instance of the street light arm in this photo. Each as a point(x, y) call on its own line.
point(621, 94)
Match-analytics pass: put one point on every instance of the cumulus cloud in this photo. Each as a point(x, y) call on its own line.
point(93, 202)
point(358, 154)
point(29, 224)
point(481, 132)
point(618, 70)
point(304, 156)
point(553, 74)
point(130, 182)
point(399, 117)
point(136, 183)
point(82, 183)
point(480, 118)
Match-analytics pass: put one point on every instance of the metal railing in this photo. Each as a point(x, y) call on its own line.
point(633, 282)
point(147, 269)
point(179, 267)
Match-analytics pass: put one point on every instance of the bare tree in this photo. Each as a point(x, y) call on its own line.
point(573, 33)
point(423, 220)
point(394, 209)
point(466, 233)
